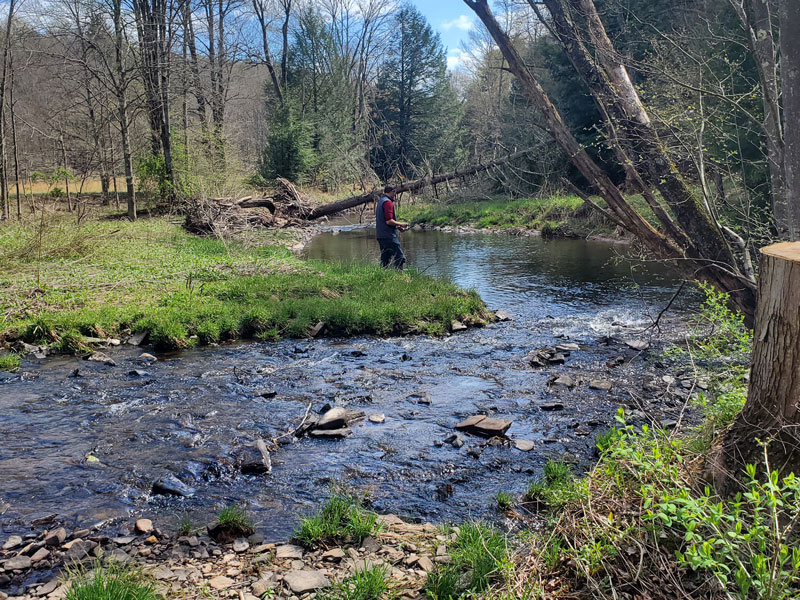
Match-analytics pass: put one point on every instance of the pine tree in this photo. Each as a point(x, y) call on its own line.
point(417, 111)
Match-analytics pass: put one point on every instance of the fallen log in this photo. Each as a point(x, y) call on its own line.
point(411, 186)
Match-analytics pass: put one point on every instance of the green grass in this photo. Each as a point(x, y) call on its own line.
point(555, 215)
point(9, 362)
point(114, 582)
point(556, 487)
point(478, 555)
point(340, 518)
point(365, 584)
point(504, 501)
point(105, 278)
point(235, 520)
point(185, 525)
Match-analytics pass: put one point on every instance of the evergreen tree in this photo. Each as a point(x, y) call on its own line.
point(417, 111)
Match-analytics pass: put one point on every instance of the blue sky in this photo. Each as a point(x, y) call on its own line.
point(452, 19)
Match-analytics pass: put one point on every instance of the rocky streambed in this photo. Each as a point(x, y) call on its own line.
point(91, 445)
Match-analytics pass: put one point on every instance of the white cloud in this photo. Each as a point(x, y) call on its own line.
point(462, 22)
point(457, 58)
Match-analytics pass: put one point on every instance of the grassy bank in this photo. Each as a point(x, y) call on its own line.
point(554, 215)
point(103, 279)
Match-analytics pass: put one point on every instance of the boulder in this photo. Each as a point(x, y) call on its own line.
point(169, 485)
point(484, 426)
point(305, 580)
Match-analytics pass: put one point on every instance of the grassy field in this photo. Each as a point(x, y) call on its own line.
point(556, 215)
point(105, 278)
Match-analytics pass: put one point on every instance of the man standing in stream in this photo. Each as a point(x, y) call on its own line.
point(386, 228)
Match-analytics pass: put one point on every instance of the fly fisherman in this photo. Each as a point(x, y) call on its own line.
point(386, 228)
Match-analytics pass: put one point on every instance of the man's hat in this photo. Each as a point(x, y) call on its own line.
point(388, 188)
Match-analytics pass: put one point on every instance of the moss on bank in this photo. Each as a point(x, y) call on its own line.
point(106, 278)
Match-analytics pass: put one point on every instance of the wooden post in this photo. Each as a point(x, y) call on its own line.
point(772, 411)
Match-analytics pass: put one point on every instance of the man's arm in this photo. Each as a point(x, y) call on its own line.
point(397, 223)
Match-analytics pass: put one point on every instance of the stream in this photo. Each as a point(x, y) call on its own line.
point(87, 448)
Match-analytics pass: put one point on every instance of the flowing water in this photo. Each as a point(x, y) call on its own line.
point(87, 448)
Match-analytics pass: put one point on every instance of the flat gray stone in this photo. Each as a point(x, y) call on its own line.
point(502, 315)
point(289, 551)
point(304, 581)
point(334, 434)
point(377, 418)
point(524, 445)
point(48, 587)
point(220, 582)
point(79, 550)
point(18, 562)
point(484, 426)
point(12, 542)
point(240, 545)
point(639, 345)
point(40, 555)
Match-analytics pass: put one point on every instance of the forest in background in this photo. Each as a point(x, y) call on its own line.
point(188, 98)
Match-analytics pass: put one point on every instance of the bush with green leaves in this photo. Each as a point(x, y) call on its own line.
point(342, 517)
point(749, 543)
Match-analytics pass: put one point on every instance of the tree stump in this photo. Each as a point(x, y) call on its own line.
point(772, 412)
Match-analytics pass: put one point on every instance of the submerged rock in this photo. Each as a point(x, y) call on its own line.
point(600, 384)
point(102, 358)
point(169, 485)
point(564, 381)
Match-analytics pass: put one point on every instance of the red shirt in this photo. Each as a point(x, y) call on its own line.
point(388, 210)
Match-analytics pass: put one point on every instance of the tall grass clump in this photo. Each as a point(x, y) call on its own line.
point(9, 361)
point(341, 518)
point(479, 559)
point(369, 583)
point(113, 581)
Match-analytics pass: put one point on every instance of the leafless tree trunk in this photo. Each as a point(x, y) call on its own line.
point(261, 9)
point(14, 138)
point(695, 243)
point(790, 88)
point(121, 91)
point(3, 175)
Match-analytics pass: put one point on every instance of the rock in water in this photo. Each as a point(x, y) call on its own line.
point(639, 345)
point(457, 326)
point(502, 315)
point(524, 445)
point(169, 485)
point(335, 418)
point(377, 418)
point(102, 358)
point(304, 581)
point(564, 381)
point(600, 384)
point(484, 426)
point(334, 434)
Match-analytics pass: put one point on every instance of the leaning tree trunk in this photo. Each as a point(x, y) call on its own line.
point(772, 412)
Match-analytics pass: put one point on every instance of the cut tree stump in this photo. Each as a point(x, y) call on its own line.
point(771, 413)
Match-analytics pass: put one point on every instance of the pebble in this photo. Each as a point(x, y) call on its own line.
point(144, 526)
